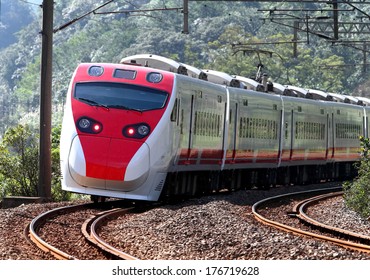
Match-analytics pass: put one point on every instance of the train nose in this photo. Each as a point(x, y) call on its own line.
point(108, 163)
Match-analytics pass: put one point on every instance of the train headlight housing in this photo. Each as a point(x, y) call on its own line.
point(143, 130)
point(137, 131)
point(89, 125)
point(96, 71)
point(154, 77)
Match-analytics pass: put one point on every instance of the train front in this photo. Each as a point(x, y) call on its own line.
point(115, 131)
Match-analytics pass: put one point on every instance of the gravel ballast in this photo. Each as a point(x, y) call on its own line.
point(219, 227)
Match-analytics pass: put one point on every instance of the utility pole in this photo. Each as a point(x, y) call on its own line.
point(335, 19)
point(44, 187)
point(186, 17)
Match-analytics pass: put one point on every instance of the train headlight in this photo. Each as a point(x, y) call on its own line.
point(137, 131)
point(89, 125)
point(143, 130)
point(96, 71)
point(84, 123)
point(154, 77)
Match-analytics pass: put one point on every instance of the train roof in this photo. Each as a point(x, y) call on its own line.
point(346, 99)
point(250, 83)
point(222, 78)
point(283, 90)
point(301, 92)
point(365, 100)
point(217, 77)
point(195, 72)
point(155, 61)
point(318, 95)
point(353, 100)
point(166, 64)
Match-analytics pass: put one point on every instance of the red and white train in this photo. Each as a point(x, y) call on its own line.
point(151, 126)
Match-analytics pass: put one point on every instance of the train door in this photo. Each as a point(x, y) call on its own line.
point(186, 116)
point(287, 129)
point(232, 132)
point(330, 136)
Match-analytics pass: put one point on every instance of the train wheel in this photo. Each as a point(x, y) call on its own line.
point(97, 199)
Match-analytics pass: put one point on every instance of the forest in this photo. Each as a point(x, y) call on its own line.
point(223, 36)
point(231, 36)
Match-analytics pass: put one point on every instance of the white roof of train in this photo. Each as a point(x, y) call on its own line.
point(345, 98)
point(217, 77)
point(301, 92)
point(318, 94)
point(250, 83)
point(365, 100)
point(195, 72)
point(166, 64)
point(222, 78)
point(154, 61)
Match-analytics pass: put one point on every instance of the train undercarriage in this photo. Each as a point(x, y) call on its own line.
point(198, 183)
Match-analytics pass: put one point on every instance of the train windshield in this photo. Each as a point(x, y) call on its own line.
point(120, 96)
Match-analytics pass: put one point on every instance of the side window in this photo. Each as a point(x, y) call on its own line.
point(174, 111)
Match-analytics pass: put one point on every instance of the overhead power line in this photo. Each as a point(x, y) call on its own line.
point(81, 17)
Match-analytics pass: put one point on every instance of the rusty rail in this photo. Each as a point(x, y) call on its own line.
point(298, 211)
point(90, 231)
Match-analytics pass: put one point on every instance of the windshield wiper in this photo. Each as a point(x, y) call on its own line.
point(125, 108)
point(93, 103)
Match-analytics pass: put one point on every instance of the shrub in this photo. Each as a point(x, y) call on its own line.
point(357, 192)
point(19, 159)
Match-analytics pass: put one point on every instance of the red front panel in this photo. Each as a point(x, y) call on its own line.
point(108, 153)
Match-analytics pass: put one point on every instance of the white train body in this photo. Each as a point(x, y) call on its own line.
point(129, 131)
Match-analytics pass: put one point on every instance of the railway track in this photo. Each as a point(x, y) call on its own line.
point(314, 228)
point(52, 227)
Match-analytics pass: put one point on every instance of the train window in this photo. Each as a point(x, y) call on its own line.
point(257, 128)
point(120, 96)
point(245, 102)
point(299, 109)
point(219, 98)
point(322, 112)
point(309, 131)
point(286, 130)
point(348, 131)
point(125, 74)
point(274, 107)
point(338, 112)
point(207, 124)
point(182, 122)
point(174, 112)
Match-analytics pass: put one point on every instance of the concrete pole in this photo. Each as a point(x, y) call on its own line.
point(44, 187)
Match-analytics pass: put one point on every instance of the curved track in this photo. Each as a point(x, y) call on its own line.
point(90, 229)
point(336, 235)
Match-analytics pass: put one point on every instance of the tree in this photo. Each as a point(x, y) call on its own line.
point(18, 162)
point(357, 192)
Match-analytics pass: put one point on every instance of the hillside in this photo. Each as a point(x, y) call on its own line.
point(215, 28)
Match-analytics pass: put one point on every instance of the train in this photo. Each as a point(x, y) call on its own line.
point(150, 128)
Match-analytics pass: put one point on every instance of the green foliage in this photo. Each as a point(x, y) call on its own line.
point(18, 163)
point(213, 28)
point(357, 192)
point(56, 191)
point(18, 155)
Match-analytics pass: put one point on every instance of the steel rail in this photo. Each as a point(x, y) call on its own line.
point(36, 223)
point(90, 231)
point(264, 220)
point(350, 235)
